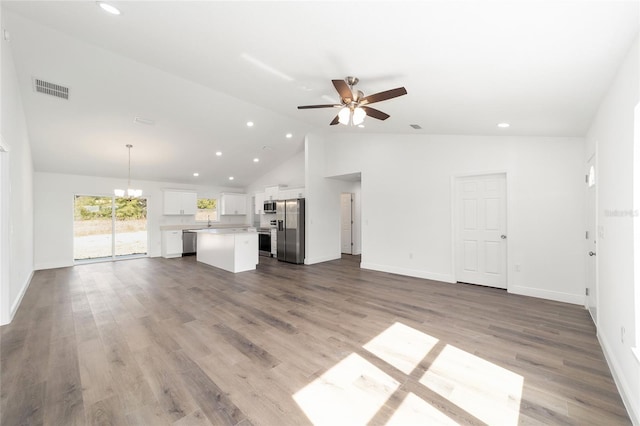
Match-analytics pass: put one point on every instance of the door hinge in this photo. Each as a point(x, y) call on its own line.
point(586, 291)
point(586, 235)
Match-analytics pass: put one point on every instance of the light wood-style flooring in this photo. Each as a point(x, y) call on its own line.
point(169, 341)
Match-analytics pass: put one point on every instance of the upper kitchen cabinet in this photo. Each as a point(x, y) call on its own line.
point(233, 204)
point(288, 194)
point(180, 203)
point(259, 201)
point(271, 192)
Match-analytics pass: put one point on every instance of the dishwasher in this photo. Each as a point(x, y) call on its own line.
point(189, 243)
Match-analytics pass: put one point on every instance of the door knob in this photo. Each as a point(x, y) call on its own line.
point(504, 237)
point(592, 253)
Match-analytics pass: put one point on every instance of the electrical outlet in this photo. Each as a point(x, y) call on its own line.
point(410, 255)
point(517, 267)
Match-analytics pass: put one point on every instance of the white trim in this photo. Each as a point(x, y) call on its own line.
point(52, 265)
point(18, 301)
point(576, 299)
point(5, 240)
point(321, 259)
point(631, 401)
point(447, 278)
point(636, 353)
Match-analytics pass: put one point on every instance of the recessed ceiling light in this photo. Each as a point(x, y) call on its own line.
point(108, 8)
point(230, 177)
point(196, 174)
point(249, 123)
point(289, 135)
point(255, 160)
point(503, 125)
point(218, 153)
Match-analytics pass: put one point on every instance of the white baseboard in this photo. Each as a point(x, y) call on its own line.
point(576, 299)
point(51, 265)
point(630, 401)
point(447, 278)
point(320, 259)
point(16, 303)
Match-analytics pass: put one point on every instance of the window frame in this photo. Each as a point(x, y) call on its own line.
point(207, 197)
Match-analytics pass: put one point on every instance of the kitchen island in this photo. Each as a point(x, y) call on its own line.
point(234, 250)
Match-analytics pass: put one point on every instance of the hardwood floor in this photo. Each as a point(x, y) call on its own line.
point(170, 341)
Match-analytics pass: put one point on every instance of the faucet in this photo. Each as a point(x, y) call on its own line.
point(208, 222)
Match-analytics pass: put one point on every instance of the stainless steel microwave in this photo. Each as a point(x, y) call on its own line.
point(269, 206)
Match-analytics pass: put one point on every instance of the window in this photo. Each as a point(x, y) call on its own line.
point(207, 210)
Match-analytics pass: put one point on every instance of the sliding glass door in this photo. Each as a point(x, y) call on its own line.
point(109, 227)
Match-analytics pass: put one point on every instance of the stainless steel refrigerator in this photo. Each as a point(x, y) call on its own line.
point(290, 225)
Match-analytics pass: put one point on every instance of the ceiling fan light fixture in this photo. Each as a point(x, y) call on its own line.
point(358, 116)
point(344, 116)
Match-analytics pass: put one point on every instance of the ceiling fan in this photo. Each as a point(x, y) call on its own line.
point(354, 104)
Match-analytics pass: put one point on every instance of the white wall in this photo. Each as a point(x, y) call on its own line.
point(406, 204)
point(18, 222)
point(322, 206)
point(54, 212)
point(611, 135)
point(290, 172)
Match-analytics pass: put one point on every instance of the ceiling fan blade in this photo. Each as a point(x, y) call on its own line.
point(375, 113)
point(319, 106)
point(343, 89)
point(334, 121)
point(383, 96)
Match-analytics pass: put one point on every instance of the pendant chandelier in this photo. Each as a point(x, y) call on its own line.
point(130, 192)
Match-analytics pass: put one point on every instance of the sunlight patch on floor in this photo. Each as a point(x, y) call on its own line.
point(416, 411)
point(354, 390)
point(350, 393)
point(483, 389)
point(401, 346)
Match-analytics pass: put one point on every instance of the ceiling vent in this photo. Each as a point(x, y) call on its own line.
point(415, 126)
point(52, 89)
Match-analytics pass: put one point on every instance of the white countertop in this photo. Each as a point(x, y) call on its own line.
point(225, 231)
point(183, 227)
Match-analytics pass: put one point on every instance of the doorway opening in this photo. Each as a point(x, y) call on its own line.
point(109, 228)
point(591, 301)
point(480, 230)
point(346, 223)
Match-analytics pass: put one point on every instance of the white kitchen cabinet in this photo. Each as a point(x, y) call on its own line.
point(288, 194)
point(271, 192)
point(172, 243)
point(180, 203)
point(233, 204)
point(259, 200)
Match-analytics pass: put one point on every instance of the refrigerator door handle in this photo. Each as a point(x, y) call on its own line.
point(280, 225)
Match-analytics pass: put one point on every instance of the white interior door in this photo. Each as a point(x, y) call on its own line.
point(480, 220)
point(346, 223)
point(590, 252)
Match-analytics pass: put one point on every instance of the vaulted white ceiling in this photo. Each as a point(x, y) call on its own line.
point(201, 70)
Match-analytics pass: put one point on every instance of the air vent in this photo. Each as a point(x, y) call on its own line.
point(415, 126)
point(52, 89)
